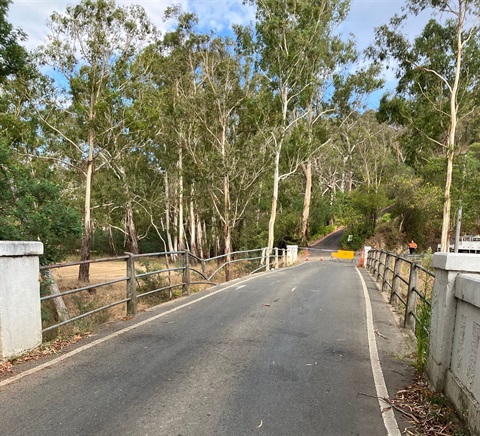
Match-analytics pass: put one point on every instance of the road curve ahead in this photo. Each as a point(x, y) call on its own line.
point(282, 353)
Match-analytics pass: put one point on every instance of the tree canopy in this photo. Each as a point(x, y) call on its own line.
point(215, 142)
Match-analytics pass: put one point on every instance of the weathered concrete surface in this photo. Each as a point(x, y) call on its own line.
point(454, 361)
point(20, 316)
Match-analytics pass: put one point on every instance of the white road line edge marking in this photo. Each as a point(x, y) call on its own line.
point(125, 330)
point(385, 409)
point(113, 335)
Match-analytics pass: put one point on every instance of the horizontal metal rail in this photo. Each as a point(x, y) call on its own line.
point(166, 288)
point(150, 273)
point(379, 264)
point(133, 276)
point(82, 262)
point(160, 253)
point(84, 288)
point(233, 253)
point(84, 315)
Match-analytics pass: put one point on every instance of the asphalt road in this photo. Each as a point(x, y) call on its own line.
point(282, 353)
point(326, 246)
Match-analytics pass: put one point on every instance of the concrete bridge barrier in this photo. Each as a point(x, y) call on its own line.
point(454, 361)
point(20, 315)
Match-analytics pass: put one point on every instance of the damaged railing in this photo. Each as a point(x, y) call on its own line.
point(144, 275)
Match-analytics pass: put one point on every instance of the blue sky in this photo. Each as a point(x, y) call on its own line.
point(365, 15)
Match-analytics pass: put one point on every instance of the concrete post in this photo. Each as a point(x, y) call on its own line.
point(292, 254)
point(447, 267)
point(20, 314)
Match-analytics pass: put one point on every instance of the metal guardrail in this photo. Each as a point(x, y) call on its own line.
point(406, 280)
point(184, 269)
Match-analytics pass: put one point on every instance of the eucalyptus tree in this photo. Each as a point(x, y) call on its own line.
point(32, 205)
point(342, 87)
point(375, 161)
point(297, 52)
point(437, 72)
point(13, 57)
point(86, 45)
point(166, 101)
point(225, 157)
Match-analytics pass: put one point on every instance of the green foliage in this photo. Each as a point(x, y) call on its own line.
point(13, 57)
point(417, 205)
point(193, 123)
point(423, 340)
point(32, 209)
point(364, 207)
point(437, 92)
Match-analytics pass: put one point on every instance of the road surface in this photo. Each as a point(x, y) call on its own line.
point(280, 353)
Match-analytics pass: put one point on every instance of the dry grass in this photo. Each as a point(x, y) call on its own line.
point(66, 278)
point(424, 284)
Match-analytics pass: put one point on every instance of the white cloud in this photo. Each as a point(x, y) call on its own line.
point(32, 15)
point(219, 16)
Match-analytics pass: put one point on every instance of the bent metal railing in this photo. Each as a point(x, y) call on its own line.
point(406, 281)
point(137, 269)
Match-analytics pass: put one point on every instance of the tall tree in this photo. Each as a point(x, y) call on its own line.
point(295, 44)
point(13, 57)
point(434, 69)
point(226, 158)
point(85, 46)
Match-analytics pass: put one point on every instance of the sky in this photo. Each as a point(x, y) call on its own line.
point(365, 15)
point(31, 16)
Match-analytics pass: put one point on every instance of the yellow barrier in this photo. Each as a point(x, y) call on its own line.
point(343, 254)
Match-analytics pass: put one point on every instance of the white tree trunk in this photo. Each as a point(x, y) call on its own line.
point(84, 269)
point(193, 223)
point(181, 233)
point(167, 214)
point(307, 199)
point(60, 307)
point(445, 239)
point(273, 213)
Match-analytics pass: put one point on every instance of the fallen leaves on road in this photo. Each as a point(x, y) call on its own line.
point(429, 412)
point(43, 350)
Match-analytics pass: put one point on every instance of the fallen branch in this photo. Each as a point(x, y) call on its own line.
point(393, 406)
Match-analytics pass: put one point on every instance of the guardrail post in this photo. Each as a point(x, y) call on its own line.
point(411, 307)
point(276, 258)
point(396, 275)
point(369, 261)
point(385, 270)
point(378, 256)
point(186, 274)
point(379, 265)
point(131, 285)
